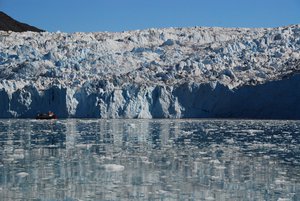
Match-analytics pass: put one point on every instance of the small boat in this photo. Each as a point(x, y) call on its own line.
point(49, 115)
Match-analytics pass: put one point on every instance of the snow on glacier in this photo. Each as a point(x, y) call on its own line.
point(153, 73)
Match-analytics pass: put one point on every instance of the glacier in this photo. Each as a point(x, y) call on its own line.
point(196, 72)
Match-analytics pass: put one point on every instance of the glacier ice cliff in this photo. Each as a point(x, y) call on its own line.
point(156, 73)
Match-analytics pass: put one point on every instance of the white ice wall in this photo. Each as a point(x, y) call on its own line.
point(155, 73)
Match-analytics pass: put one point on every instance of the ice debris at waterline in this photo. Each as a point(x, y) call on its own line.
point(154, 73)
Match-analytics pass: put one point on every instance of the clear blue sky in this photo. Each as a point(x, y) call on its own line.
point(119, 15)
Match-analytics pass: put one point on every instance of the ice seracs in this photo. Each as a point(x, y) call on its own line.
point(154, 73)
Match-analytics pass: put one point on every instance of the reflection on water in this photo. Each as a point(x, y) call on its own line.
point(149, 160)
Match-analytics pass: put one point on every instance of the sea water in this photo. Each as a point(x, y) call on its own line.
point(78, 159)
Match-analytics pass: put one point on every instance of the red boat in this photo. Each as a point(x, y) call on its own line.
point(49, 115)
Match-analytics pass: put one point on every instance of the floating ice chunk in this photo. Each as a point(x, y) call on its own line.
point(113, 167)
point(230, 141)
point(145, 159)
point(283, 199)
point(280, 181)
point(131, 125)
point(220, 167)
point(216, 161)
point(187, 132)
point(22, 174)
point(18, 156)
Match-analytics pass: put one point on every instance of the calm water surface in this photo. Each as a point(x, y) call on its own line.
point(74, 160)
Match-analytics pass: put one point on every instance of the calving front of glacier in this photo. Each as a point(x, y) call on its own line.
point(277, 100)
point(156, 73)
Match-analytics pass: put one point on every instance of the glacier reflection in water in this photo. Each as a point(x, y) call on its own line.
point(149, 160)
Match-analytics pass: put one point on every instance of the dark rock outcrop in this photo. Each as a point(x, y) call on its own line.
point(9, 24)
